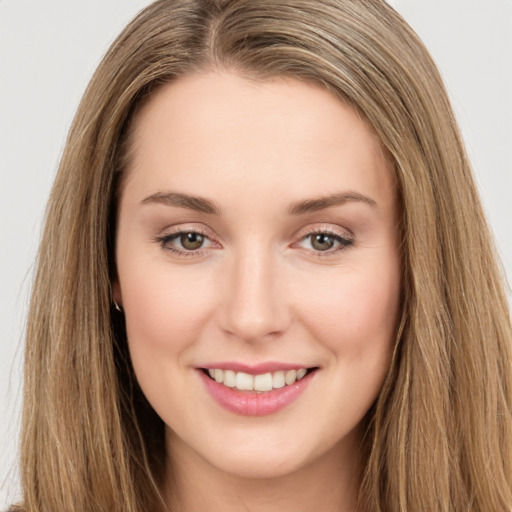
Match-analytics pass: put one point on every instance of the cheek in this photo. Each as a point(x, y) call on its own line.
point(354, 318)
point(165, 311)
point(165, 308)
point(355, 312)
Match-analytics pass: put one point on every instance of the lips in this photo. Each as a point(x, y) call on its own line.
point(255, 390)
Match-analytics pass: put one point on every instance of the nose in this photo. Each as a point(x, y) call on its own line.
point(254, 306)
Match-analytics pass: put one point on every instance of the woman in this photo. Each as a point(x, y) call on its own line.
point(266, 280)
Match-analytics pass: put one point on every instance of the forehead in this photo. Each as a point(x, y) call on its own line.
point(211, 130)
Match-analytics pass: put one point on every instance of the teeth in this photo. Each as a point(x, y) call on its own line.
point(290, 377)
point(229, 378)
point(244, 381)
point(278, 380)
point(260, 383)
point(301, 373)
point(263, 382)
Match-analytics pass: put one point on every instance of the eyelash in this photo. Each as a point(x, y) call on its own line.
point(165, 241)
point(344, 241)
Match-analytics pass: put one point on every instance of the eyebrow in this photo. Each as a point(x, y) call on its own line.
point(203, 205)
point(321, 203)
point(195, 203)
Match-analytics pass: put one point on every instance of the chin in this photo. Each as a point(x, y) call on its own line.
point(260, 465)
point(244, 453)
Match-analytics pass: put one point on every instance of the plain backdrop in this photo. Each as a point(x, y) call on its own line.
point(48, 51)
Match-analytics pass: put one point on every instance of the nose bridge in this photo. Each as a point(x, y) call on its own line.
point(255, 305)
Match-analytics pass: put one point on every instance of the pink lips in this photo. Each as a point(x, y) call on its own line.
point(252, 403)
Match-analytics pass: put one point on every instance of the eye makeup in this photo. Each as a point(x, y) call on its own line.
point(195, 241)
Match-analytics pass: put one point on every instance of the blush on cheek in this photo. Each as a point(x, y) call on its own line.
point(357, 314)
point(165, 308)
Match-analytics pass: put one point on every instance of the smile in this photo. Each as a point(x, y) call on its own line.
point(256, 394)
point(260, 383)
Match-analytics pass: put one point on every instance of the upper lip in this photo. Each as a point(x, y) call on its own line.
point(254, 369)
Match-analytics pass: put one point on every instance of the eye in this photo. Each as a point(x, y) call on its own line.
point(186, 243)
point(322, 241)
point(191, 241)
point(325, 241)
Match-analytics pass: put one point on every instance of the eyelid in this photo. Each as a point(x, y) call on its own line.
point(174, 231)
point(344, 236)
point(325, 228)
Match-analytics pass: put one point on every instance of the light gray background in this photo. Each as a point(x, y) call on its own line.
point(48, 51)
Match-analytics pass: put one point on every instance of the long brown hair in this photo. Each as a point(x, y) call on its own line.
point(440, 432)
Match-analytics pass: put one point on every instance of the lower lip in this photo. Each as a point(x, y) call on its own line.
point(251, 403)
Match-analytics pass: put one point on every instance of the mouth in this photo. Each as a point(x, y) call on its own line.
point(256, 389)
point(259, 383)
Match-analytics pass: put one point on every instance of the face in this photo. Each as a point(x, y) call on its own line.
point(257, 248)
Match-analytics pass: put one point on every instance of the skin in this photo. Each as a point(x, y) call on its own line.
point(259, 289)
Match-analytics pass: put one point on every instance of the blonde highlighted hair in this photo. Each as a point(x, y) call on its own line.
point(440, 433)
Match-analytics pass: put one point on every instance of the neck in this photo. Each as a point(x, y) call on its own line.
point(330, 483)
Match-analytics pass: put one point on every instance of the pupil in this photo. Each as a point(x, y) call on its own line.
point(322, 242)
point(191, 241)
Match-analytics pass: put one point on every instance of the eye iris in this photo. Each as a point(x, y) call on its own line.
point(322, 242)
point(191, 241)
